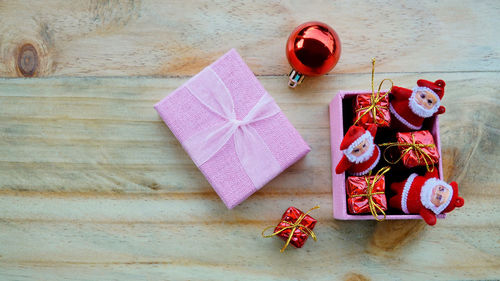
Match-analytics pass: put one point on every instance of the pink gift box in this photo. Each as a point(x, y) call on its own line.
point(232, 129)
point(343, 101)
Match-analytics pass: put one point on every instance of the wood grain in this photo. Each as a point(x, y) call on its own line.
point(94, 184)
point(154, 38)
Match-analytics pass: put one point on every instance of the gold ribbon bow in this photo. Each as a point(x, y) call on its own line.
point(417, 147)
point(374, 99)
point(369, 188)
point(293, 227)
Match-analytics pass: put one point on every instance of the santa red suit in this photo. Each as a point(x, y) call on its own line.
point(414, 196)
point(407, 113)
point(357, 138)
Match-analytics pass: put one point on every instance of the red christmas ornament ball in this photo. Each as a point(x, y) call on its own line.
point(313, 48)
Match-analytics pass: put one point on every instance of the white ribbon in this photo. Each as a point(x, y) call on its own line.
point(255, 156)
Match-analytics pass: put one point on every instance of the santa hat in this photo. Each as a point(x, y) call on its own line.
point(437, 86)
point(353, 137)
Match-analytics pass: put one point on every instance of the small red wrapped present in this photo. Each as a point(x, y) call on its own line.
point(418, 149)
point(366, 194)
point(372, 109)
point(297, 223)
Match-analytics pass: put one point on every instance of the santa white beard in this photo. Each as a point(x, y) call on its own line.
point(426, 193)
point(365, 156)
point(420, 110)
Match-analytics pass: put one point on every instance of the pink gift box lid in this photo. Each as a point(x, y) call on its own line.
point(339, 180)
point(186, 116)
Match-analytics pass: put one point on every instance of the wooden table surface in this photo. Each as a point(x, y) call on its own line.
point(94, 186)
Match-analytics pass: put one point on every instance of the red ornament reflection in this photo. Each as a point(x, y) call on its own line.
point(313, 49)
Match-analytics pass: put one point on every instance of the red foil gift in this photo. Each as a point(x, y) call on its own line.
point(372, 109)
point(417, 149)
point(366, 194)
point(296, 223)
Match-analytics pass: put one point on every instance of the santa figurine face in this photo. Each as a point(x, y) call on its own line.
point(361, 148)
point(425, 98)
point(439, 195)
point(424, 102)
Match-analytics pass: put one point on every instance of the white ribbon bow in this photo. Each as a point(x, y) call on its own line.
point(255, 156)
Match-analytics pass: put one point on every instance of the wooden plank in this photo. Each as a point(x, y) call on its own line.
point(86, 135)
point(148, 38)
point(127, 238)
point(94, 186)
point(47, 207)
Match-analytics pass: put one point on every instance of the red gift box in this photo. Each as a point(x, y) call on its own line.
point(366, 105)
point(417, 149)
point(359, 195)
point(300, 234)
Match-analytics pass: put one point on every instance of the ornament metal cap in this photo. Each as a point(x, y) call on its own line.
point(295, 78)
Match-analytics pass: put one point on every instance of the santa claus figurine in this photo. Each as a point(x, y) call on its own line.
point(409, 108)
point(425, 195)
point(361, 154)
